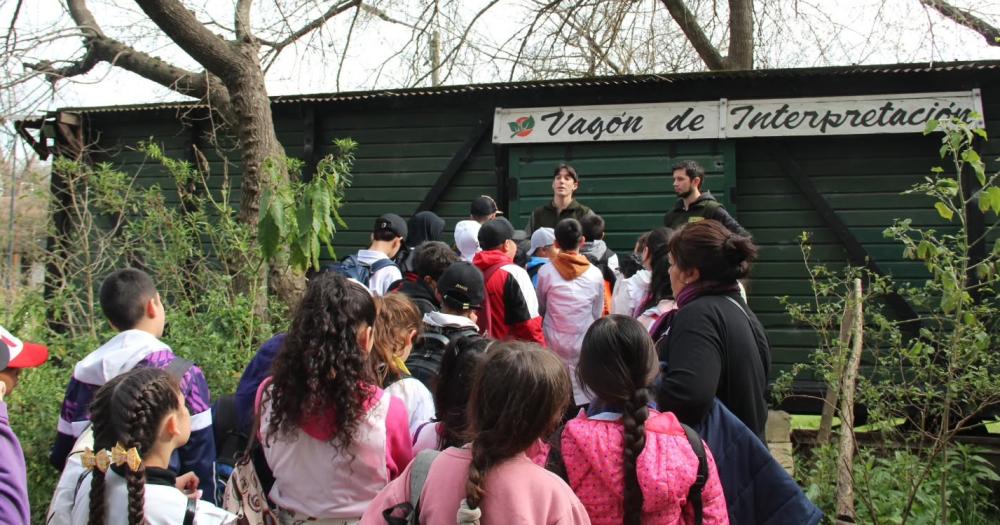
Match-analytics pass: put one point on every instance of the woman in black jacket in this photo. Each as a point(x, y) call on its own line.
point(714, 347)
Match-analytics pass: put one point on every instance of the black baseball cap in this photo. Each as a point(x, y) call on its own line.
point(392, 223)
point(495, 232)
point(483, 206)
point(461, 286)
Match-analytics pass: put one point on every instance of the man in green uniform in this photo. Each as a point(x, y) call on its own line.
point(565, 182)
point(694, 205)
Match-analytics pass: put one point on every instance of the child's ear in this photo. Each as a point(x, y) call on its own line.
point(413, 337)
point(151, 306)
point(366, 339)
point(172, 425)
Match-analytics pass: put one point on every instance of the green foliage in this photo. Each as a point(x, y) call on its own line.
point(305, 215)
point(939, 373)
point(195, 253)
point(883, 485)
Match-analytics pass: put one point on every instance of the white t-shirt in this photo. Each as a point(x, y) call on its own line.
point(418, 400)
point(379, 281)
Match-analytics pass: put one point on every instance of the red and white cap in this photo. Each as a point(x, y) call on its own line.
point(19, 354)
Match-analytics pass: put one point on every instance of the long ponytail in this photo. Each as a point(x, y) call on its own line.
point(617, 363)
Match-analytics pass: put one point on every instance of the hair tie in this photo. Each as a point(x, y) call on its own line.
point(118, 456)
point(466, 515)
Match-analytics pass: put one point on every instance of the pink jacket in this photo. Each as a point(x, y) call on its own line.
point(592, 450)
point(518, 492)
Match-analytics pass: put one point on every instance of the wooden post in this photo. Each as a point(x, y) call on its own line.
point(845, 463)
point(833, 386)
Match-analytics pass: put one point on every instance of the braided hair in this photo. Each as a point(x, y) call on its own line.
point(617, 364)
point(452, 387)
point(129, 410)
point(519, 394)
point(321, 367)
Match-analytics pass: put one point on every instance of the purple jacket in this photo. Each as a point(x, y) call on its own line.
point(14, 506)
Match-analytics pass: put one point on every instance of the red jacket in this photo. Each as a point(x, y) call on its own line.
point(513, 306)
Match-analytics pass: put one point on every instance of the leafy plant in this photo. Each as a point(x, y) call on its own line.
point(302, 216)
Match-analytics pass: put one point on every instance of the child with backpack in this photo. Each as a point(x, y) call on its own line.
point(451, 395)
point(397, 326)
point(461, 292)
point(627, 462)
point(430, 260)
point(375, 267)
point(133, 307)
point(139, 419)
point(519, 394)
point(330, 436)
point(570, 299)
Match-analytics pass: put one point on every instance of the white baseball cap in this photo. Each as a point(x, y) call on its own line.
point(541, 238)
point(467, 238)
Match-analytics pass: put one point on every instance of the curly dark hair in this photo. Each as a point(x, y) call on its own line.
point(320, 367)
point(128, 410)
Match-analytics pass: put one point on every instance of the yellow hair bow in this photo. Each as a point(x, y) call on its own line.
point(103, 459)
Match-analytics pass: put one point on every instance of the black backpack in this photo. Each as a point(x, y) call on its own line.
point(424, 362)
point(602, 265)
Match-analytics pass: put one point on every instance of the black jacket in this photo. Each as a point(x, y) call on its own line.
point(419, 293)
point(706, 207)
point(710, 351)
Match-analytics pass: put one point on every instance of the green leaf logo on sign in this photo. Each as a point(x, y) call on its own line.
point(522, 127)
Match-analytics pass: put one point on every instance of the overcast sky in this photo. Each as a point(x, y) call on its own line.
point(822, 32)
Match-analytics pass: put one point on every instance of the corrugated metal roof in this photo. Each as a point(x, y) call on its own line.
point(860, 70)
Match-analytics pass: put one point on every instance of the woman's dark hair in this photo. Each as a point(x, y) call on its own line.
point(617, 364)
point(129, 410)
point(718, 254)
point(321, 367)
point(658, 245)
point(519, 395)
point(453, 385)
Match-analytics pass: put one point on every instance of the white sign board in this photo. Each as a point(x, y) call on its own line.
point(719, 119)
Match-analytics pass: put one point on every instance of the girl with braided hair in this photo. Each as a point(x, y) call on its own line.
point(331, 437)
point(139, 419)
point(519, 395)
point(629, 463)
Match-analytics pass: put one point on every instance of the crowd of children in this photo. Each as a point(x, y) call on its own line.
point(537, 379)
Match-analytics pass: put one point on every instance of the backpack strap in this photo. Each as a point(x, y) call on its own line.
point(378, 265)
point(757, 337)
point(179, 367)
point(421, 466)
point(694, 494)
point(192, 506)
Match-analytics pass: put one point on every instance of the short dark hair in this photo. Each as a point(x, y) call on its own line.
point(384, 235)
point(691, 168)
point(432, 258)
point(568, 234)
point(593, 227)
point(123, 297)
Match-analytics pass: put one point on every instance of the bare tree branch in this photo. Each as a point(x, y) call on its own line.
point(965, 18)
point(192, 36)
point(333, 11)
point(695, 34)
point(242, 23)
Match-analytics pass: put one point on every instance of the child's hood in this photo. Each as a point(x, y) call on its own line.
point(117, 356)
point(443, 320)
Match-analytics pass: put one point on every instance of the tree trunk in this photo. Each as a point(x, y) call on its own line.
point(845, 462)
point(254, 127)
point(740, 35)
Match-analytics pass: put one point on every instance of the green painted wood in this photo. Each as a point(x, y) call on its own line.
point(629, 184)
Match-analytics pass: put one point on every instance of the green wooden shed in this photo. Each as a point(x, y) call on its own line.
point(438, 148)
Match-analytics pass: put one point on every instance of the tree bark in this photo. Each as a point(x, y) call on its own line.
point(740, 35)
point(695, 34)
point(845, 458)
point(965, 18)
point(833, 388)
